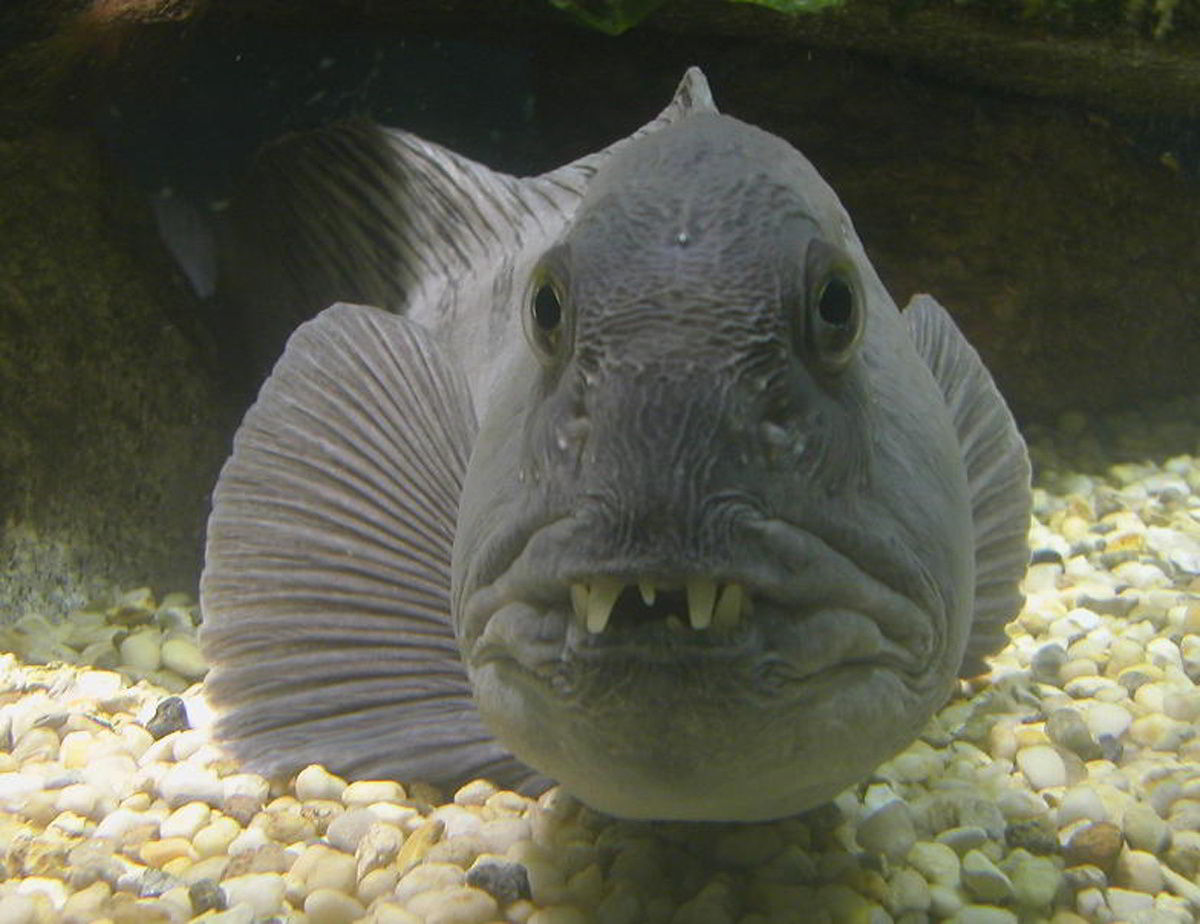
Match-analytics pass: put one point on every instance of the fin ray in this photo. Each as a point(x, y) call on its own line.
point(326, 585)
point(998, 474)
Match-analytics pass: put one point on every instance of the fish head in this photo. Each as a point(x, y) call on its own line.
point(713, 556)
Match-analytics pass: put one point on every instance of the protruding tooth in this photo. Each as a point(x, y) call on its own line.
point(646, 589)
point(701, 593)
point(600, 603)
point(579, 601)
point(729, 607)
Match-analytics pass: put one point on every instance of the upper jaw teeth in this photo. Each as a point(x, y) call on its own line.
point(708, 605)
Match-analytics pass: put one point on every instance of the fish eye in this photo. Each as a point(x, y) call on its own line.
point(834, 317)
point(546, 317)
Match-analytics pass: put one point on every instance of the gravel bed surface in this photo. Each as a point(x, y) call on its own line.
point(1064, 786)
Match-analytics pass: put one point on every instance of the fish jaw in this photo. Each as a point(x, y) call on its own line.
point(661, 718)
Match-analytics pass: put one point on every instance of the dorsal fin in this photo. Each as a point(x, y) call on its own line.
point(359, 213)
point(998, 474)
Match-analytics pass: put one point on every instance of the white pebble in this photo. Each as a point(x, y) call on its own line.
point(54, 889)
point(1081, 802)
point(261, 891)
point(185, 783)
point(141, 650)
point(1107, 719)
point(185, 821)
point(428, 877)
point(1043, 766)
point(182, 656)
point(364, 792)
point(315, 782)
point(455, 905)
point(328, 906)
point(888, 830)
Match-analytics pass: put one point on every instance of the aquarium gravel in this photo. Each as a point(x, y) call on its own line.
point(1063, 787)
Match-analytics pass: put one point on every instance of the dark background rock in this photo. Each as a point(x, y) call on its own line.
point(1063, 233)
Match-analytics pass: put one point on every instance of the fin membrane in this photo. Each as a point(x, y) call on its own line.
point(326, 585)
point(998, 475)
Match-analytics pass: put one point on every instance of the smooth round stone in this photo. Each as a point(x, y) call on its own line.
point(1035, 879)
point(938, 863)
point(185, 821)
point(182, 656)
point(80, 798)
point(1043, 767)
point(327, 906)
point(261, 891)
point(391, 913)
point(214, 838)
point(962, 838)
point(907, 891)
point(376, 884)
point(1097, 844)
point(1160, 733)
point(1107, 719)
point(364, 792)
point(1067, 729)
point(348, 829)
point(1145, 829)
point(983, 880)
point(185, 783)
point(454, 905)
point(334, 870)
point(315, 782)
point(476, 792)
point(458, 821)
point(158, 853)
point(141, 650)
point(429, 877)
point(888, 830)
point(1081, 802)
point(1182, 705)
point(1126, 903)
point(377, 848)
point(499, 834)
point(1140, 871)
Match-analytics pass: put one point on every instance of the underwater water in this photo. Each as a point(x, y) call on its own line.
point(1062, 786)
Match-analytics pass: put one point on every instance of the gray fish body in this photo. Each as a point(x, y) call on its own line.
point(731, 524)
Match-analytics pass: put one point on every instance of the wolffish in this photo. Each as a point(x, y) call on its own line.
point(646, 487)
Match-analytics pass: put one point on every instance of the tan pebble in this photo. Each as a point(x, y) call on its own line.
point(334, 870)
point(508, 803)
point(315, 782)
point(215, 837)
point(1126, 903)
point(329, 906)
point(404, 817)
point(392, 913)
point(461, 851)
point(87, 904)
point(321, 812)
point(52, 890)
point(158, 853)
point(428, 877)
point(364, 792)
point(1042, 766)
point(261, 891)
point(454, 905)
point(418, 844)
point(141, 650)
point(80, 798)
point(378, 847)
point(186, 820)
point(376, 883)
point(1097, 844)
point(938, 863)
point(76, 749)
point(499, 834)
point(248, 841)
point(1138, 870)
point(37, 744)
point(1160, 733)
point(285, 826)
point(476, 792)
point(182, 656)
point(19, 909)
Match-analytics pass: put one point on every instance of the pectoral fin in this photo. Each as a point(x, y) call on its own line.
point(327, 575)
point(998, 474)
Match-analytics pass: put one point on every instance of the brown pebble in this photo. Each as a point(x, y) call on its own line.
point(206, 895)
point(1097, 844)
point(242, 808)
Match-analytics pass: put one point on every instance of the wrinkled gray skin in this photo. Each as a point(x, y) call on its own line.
point(689, 424)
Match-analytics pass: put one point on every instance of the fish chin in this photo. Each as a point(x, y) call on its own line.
point(675, 709)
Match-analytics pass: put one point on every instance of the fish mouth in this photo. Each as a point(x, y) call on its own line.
point(784, 608)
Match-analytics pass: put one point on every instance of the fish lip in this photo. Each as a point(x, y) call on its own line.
point(820, 581)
